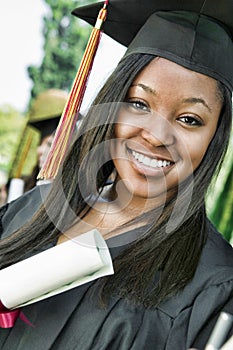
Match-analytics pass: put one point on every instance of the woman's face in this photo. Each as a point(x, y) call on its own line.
point(164, 128)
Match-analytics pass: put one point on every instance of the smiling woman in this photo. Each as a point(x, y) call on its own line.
point(138, 172)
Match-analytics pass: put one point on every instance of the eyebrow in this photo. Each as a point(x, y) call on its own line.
point(192, 100)
point(195, 100)
point(145, 88)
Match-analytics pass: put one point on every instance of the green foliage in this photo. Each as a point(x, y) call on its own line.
point(65, 41)
point(11, 140)
point(220, 198)
point(12, 125)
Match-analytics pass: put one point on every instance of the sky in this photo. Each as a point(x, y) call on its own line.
point(21, 45)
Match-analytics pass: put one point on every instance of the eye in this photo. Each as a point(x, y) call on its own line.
point(190, 120)
point(138, 105)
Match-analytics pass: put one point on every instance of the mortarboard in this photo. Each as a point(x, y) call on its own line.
point(196, 34)
point(46, 110)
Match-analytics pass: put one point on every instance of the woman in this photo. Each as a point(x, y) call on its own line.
point(162, 128)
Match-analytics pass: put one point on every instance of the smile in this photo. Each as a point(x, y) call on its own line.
point(151, 162)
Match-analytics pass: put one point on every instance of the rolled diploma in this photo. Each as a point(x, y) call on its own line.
point(54, 268)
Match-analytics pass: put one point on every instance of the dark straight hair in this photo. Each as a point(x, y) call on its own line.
point(171, 255)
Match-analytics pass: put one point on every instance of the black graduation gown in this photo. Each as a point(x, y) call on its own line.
point(73, 320)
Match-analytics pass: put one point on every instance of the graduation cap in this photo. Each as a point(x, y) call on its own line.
point(196, 34)
point(46, 110)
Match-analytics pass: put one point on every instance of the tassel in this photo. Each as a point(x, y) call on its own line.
point(69, 117)
point(21, 153)
point(24, 155)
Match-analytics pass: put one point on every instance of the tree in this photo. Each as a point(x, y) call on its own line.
point(65, 41)
point(220, 197)
point(12, 124)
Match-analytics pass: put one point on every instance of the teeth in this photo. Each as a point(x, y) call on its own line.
point(154, 163)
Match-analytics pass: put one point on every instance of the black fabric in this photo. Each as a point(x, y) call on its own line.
point(74, 319)
point(125, 18)
point(3, 210)
point(196, 34)
point(47, 126)
point(21, 210)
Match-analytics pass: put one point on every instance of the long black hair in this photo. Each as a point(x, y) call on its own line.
point(167, 249)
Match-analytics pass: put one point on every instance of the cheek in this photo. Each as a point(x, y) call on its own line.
point(198, 149)
point(196, 158)
point(124, 131)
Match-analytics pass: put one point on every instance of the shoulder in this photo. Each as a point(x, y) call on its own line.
point(17, 213)
point(217, 252)
point(216, 262)
point(213, 278)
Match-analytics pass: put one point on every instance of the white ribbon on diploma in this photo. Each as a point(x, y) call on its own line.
point(55, 270)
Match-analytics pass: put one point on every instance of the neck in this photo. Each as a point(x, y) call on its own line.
point(127, 204)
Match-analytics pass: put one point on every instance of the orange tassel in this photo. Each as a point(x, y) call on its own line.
point(69, 116)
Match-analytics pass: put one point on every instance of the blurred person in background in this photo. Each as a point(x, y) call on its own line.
point(43, 116)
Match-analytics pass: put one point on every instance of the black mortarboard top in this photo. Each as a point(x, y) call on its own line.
point(46, 110)
point(196, 34)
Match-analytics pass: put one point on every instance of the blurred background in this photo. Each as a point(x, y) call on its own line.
point(41, 48)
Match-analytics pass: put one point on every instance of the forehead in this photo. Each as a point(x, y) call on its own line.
point(164, 76)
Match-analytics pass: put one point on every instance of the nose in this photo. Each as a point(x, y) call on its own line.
point(158, 131)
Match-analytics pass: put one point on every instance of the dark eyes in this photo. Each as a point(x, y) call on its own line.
point(138, 105)
point(190, 121)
